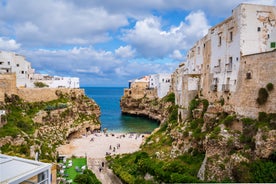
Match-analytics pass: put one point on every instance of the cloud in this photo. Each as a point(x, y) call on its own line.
point(150, 40)
point(93, 67)
point(8, 44)
point(108, 42)
point(125, 52)
point(52, 23)
point(177, 55)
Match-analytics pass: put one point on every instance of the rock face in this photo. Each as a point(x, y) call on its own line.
point(152, 108)
point(71, 115)
point(226, 140)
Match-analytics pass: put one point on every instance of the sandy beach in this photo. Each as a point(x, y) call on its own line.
point(98, 145)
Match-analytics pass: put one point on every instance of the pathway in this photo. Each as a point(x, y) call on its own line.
point(106, 176)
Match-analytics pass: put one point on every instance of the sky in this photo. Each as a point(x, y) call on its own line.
point(108, 42)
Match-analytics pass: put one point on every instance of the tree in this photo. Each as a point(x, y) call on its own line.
point(88, 177)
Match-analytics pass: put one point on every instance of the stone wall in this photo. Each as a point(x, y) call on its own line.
point(7, 85)
point(44, 94)
point(262, 69)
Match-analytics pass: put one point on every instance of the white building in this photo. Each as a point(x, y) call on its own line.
point(162, 82)
point(14, 170)
point(251, 29)
point(57, 81)
point(25, 75)
point(15, 63)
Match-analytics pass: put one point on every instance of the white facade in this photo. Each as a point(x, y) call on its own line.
point(161, 82)
point(57, 81)
point(16, 170)
point(251, 29)
point(14, 63)
point(25, 75)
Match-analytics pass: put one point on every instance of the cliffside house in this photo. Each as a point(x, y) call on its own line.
point(214, 66)
point(25, 75)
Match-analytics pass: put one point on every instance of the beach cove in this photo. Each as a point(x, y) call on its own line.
point(95, 147)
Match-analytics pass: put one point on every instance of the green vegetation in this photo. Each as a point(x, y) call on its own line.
point(263, 94)
point(40, 85)
point(259, 171)
point(269, 86)
point(87, 177)
point(159, 161)
point(154, 160)
point(169, 98)
point(132, 168)
point(18, 123)
point(228, 120)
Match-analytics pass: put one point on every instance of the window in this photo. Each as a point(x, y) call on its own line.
point(9, 63)
point(273, 45)
point(1, 62)
point(249, 75)
point(258, 29)
point(230, 60)
point(22, 72)
point(17, 65)
point(219, 43)
point(231, 36)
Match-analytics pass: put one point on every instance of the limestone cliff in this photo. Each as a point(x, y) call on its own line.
point(227, 140)
point(152, 108)
point(30, 127)
point(234, 148)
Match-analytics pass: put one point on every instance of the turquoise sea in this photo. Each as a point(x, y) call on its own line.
point(108, 98)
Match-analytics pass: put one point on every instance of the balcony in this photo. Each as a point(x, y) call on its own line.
point(228, 67)
point(225, 87)
point(217, 69)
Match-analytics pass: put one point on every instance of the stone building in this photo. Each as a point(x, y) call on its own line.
point(243, 44)
point(161, 82)
point(152, 86)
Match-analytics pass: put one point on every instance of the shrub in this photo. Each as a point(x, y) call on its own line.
point(228, 121)
point(269, 87)
point(262, 96)
point(40, 85)
point(169, 98)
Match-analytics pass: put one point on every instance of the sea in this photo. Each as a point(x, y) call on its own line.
point(108, 98)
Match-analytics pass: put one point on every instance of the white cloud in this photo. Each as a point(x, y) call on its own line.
point(177, 55)
point(125, 52)
point(151, 41)
point(51, 23)
point(8, 44)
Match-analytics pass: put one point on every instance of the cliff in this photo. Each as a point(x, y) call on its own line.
point(152, 108)
point(38, 126)
point(207, 143)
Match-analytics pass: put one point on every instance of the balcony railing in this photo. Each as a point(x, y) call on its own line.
point(228, 67)
point(217, 69)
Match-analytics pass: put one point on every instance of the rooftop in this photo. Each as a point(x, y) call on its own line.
point(15, 169)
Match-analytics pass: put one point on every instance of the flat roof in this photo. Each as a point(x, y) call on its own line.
point(15, 169)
